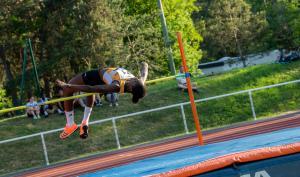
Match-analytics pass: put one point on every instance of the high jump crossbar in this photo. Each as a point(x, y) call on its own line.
point(75, 96)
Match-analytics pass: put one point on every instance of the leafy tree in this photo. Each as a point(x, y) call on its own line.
point(178, 15)
point(69, 37)
point(283, 18)
point(142, 42)
point(141, 38)
point(232, 28)
point(295, 22)
point(139, 7)
point(18, 22)
point(5, 102)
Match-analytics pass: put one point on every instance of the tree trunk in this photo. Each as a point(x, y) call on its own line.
point(238, 45)
point(47, 89)
point(9, 75)
point(6, 64)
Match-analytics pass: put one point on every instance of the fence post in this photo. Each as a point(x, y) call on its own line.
point(184, 119)
point(252, 105)
point(116, 133)
point(45, 149)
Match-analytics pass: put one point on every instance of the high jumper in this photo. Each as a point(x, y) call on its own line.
point(103, 80)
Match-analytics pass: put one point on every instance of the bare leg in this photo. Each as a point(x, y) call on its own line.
point(86, 116)
point(88, 109)
point(68, 104)
point(37, 112)
point(32, 113)
point(144, 72)
point(69, 107)
point(69, 92)
point(90, 101)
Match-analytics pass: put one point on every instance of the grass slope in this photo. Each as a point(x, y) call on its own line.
point(148, 127)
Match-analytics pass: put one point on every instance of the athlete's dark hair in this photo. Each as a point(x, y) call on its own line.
point(138, 89)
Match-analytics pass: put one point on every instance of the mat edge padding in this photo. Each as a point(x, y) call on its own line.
point(230, 159)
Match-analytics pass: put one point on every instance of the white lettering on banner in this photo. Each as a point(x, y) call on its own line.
point(258, 174)
point(246, 175)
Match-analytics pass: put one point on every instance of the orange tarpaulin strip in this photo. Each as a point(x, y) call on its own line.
point(227, 160)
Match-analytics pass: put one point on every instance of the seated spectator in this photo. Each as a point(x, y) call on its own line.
point(46, 109)
point(79, 102)
point(181, 81)
point(98, 101)
point(33, 110)
point(59, 106)
point(112, 98)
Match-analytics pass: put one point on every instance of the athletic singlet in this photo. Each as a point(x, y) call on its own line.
point(119, 74)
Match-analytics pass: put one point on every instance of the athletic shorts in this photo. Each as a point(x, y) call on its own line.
point(92, 78)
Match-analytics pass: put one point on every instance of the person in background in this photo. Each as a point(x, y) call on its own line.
point(98, 101)
point(113, 99)
point(59, 106)
point(33, 110)
point(46, 109)
point(79, 102)
point(181, 81)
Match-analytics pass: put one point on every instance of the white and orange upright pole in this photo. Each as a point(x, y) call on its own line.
point(189, 86)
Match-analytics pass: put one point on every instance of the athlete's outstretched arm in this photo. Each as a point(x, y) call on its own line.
point(144, 72)
point(114, 87)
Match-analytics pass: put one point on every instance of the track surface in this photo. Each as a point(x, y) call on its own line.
point(122, 157)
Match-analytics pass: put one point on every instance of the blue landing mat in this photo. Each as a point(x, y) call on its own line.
point(198, 154)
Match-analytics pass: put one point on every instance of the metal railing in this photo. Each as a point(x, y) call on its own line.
point(181, 105)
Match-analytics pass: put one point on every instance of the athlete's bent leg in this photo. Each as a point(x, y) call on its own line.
point(86, 116)
point(69, 108)
point(88, 109)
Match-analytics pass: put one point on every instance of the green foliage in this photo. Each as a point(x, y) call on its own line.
point(259, 26)
point(232, 28)
point(178, 15)
point(5, 102)
point(284, 97)
point(148, 30)
point(18, 153)
point(294, 22)
point(70, 37)
point(139, 7)
point(141, 39)
point(280, 16)
point(142, 42)
point(283, 18)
